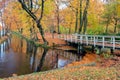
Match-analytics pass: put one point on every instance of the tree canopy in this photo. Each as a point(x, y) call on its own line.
point(62, 16)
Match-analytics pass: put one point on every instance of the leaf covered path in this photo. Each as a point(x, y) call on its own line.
point(81, 72)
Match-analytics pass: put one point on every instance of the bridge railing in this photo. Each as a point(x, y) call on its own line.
point(112, 41)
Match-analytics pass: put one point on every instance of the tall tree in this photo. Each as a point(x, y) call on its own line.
point(115, 15)
point(73, 5)
point(85, 20)
point(28, 7)
point(83, 17)
point(81, 21)
point(57, 2)
point(111, 14)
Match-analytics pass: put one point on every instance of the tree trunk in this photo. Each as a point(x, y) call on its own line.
point(42, 33)
point(58, 20)
point(108, 21)
point(115, 25)
point(81, 21)
point(37, 20)
point(70, 28)
point(106, 30)
point(85, 23)
point(76, 23)
point(85, 16)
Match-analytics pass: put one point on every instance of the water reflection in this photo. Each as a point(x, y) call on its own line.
point(39, 67)
point(20, 57)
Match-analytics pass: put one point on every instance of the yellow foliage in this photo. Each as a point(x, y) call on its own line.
point(118, 10)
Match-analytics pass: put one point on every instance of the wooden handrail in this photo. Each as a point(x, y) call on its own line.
point(93, 39)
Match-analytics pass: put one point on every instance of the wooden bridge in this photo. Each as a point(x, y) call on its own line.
point(112, 42)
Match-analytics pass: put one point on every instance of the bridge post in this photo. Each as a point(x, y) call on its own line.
point(112, 51)
point(71, 38)
point(103, 40)
point(113, 42)
point(81, 38)
point(80, 51)
point(80, 48)
point(87, 40)
point(93, 48)
point(91, 38)
point(94, 41)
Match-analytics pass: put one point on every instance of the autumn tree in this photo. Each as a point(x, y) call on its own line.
point(80, 8)
point(83, 17)
point(111, 14)
point(69, 20)
point(116, 16)
point(57, 2)
point(49, 20)
point(28, 6)
point(74, 8)
point(73, 15)
point(16, 18)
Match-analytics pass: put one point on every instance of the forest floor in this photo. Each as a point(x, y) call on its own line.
point(91, 67)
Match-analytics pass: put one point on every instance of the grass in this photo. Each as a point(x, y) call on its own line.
point(29, 40)
point(74, 73)
point(107, 55)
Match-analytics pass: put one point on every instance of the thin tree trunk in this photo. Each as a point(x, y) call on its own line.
point(70, 28)
point(42, 33)
point(81, 21)
point(106, 30)
point(85, 23)
point(115, 25)
point(85, 16)
point(58, 19)
point(76, 23)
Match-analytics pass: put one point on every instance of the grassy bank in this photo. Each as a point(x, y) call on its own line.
point(29, 40)
point(85, 72)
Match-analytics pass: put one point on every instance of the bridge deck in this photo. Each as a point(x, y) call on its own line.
point(95, 40)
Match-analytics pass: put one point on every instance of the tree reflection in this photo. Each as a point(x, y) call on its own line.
point(34, 56)
point(36, 53)
point(42, 59)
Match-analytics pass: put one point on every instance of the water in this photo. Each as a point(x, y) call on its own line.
point(17, 58)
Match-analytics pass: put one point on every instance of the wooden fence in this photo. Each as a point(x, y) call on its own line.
point(96, 40)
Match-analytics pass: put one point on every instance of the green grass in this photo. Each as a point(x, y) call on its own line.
point(29, 40)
